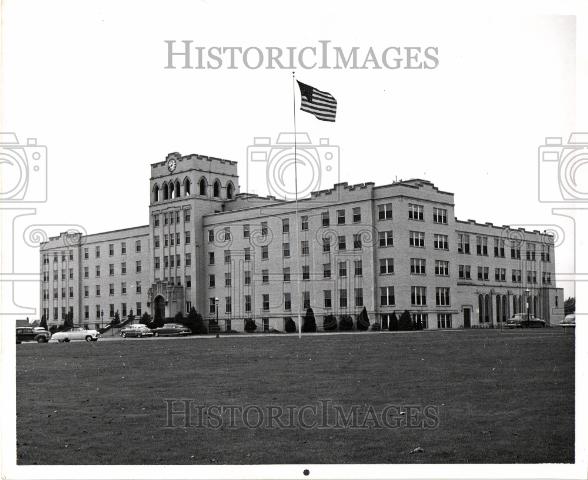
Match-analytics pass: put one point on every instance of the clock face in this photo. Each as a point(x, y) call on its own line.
point(171, 164)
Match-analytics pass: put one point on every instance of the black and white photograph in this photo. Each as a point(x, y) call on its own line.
point(290, 240)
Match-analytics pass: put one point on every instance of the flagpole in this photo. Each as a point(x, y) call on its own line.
point(296, 226)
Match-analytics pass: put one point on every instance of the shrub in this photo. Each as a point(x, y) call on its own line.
point(145, 319)
point(376, 327)
point(131, 316)
point(68, 321)
point(363, 321)
point(405, 322)
point(179, 318)
point(345, 322)
point(195, 322)
point(329, 323)
point(309, 323)
point(250, 325)
point(289, 325)
point(116, 319)
point(393, 322)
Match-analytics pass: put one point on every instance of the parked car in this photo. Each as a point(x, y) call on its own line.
point(522, 320)
point(32, 334)
point(136, 330)
point(76, 334)
point(569, 321)
point(170, 329)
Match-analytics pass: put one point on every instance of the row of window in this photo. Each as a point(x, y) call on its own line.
point(463, 246)
point(64, 257)
point(171, 217)
point(99, 312)
point(169, 240)
point(172, 189)
point(500, 275)
point(97, 291)
point(418, 297)
point(111, 249)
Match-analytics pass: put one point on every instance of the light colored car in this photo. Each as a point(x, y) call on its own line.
point(76, 334)
point(522, 320)
point(569, 321)
point(136, 330)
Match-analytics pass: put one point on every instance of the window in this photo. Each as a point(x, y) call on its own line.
point(111, 269)
point(515, 251)
point(499, 247)
point(417, 239)
point(86, 312)
point(211, 305)
point(306, 299)
point(340, 217)
point(138, 287)
point(326, 244)
point(157, 262)
point(97, 251)
point(138, 307)
point(530, 251)
point(211, 280)
point(211, 235)
point(442, 268)
point(415, 212)
point(442, 296)
point(385, 211)
point(156, 242)
point(531, 276)
point(246, 230)
point(546, 278)
point(440, 242)
point(325, 219)
point(172, 261)
point(138, 246)
point(265, 302)
point(465, 272)
point(417, 266)
point(138, 264)
point(55, 293)
point(247, 253)
point(444, 320)
point(304, 222)
point(110, 249)
point(186, 216)
point(286, 249)
point(286, 272)
point(356, 214)
point(327, 301)
point(247, 277)
point(188, 281)
point(188, 259)
point(97, 270)
point(263, 229)
point(265, 276)
point(545, 256)
point(227, 256)
point(264, 252)
point(387, 296)
point(342, 298)
point(358, 268)
point(418, 295)
point(287, 301)
point(327, 270)
point(359, 297)
point(55, 275)
point(166, 262)
point(86, 273)
point(86, 253)
point(111, 289)
point(123, 248)
point(70, 292)
point(357, 241)
point(156, 220)
point(500, 274)
point(341, 241)
point(305, 272)
point(227, 233)
point(516, 276)
point(481, 245)
point(386, 266)
point(228, 305)
point(123, 288)
point(483, 273)
point(304, 247)
point(285, 225)
point(216, 186)
point(463, 243)
point(439, 215)
point(187, 237)
point(227, 279)
point(166, 240)
point(386, 239)
point(247, 303)
point(178, 238)
point(342, 269)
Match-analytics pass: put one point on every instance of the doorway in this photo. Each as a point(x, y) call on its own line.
point(467, 318)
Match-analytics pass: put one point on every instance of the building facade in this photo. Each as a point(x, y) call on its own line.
point(235, 256)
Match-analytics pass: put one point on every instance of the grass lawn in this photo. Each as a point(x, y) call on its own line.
point(502, 398)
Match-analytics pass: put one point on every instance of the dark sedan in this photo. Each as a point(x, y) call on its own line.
point(171, 329)
point(29, 334)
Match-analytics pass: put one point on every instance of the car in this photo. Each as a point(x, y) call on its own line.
point(171, 329)
point(136, 330)
point(31, 334)
point(569, 321)
point(76, 334)
point(523, 320)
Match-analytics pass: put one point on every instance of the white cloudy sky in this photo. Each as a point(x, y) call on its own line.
point(87, 80)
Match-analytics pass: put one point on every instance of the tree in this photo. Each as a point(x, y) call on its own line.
point(250, 325)
point(330, 323)
point(570, 306)
point(179, 318)
point(393, 322)
point(289, 325)
point(363, 321)
point(68, 321)
point(116, 319)
point(345, 322)
point(145, 319)
point(131, 316)
point(43, 323)
point(195, 322)
point(309, 323)
point(405, 322)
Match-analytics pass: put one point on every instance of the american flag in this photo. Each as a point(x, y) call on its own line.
point(321, 104)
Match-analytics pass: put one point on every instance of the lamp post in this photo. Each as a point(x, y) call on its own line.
point(527, 291)
point(216, 300)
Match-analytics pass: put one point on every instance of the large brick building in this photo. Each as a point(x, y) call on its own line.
point(389, 248)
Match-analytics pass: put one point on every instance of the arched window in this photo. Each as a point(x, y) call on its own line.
point(230, 190)
point(165, 191)
point(498, 308)
point(202, 186)
point(487, 307)
point(177, 189)
point(155, 193)
point(186, 187)
point(480, 308)
point(216, 188)
point(504, 308)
